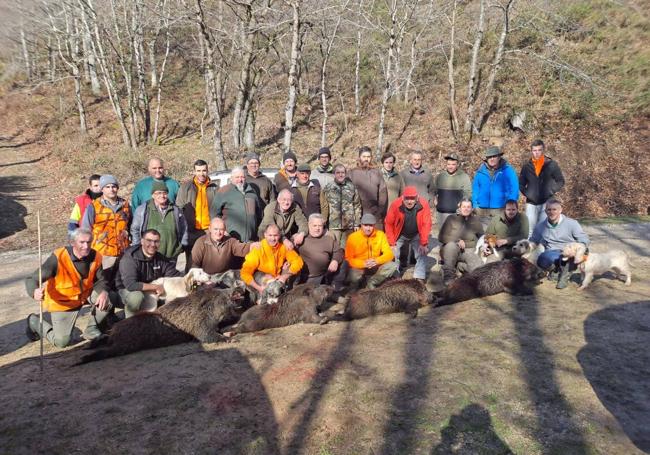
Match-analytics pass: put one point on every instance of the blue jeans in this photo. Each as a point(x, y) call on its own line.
point(420, 259)
point(535, 215)
point(549, 258)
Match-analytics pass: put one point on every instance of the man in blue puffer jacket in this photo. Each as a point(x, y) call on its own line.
point(495, 182)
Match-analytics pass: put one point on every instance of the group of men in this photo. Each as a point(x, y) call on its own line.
point(327, 225)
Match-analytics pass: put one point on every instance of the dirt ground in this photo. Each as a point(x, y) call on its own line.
point(561, 372)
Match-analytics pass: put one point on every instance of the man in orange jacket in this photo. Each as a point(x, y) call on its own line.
point(72, 276)
point(409, 222)
point(271, 261)
point(368, 255)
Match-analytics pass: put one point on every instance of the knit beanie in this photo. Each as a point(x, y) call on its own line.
point(107, 180)
point(289, 156)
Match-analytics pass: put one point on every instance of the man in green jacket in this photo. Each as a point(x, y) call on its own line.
point(510, 227)
point(285, 214)
point(458, 236)
point(164, 217)
point(239, 206)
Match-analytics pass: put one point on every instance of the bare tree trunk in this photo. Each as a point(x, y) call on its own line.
point(83, 126)
point(69, 50)
point(249, 134)
point(388, 79)
point(292, 80)
point(357, 82)
point(51, 59)
point(409, 76)
point(89, 19)
point(26, 56)
point(91, 65)
point(213, 82)
point(143, 105)
point(487, 101)
point(326, 51)
point(472, 85)
point(357, 66)
point(453, 116)
point(157, 79)
point(243, 85)
point(250, 112)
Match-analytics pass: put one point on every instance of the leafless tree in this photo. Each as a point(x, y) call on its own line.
point(66, 29)
point(294, 63)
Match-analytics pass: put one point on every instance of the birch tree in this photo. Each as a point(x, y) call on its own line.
point(214, 77)
point(327, 36)
point(68, 37)
point(294, 62)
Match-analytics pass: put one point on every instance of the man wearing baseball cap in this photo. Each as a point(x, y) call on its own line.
point(163, 216)
point(108, 218)
point(452, 185)
point(409, 222)
point(495, 182)
point(368, 255)
point(286, 176)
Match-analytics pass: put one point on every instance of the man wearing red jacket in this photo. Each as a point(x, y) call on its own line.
point(409, 222)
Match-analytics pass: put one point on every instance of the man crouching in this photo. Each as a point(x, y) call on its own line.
point(72, 276)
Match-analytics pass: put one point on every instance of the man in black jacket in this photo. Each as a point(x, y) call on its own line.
point(139, 266)
point(539, 180)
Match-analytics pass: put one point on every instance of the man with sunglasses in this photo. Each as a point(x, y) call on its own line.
point(139, 266)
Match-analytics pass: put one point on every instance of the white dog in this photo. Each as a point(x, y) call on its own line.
point(592, 263)
point(528, 250)
point(174, 287)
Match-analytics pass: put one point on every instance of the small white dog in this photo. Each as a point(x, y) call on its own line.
point(593, 263)
point(174, 287)
point(528, 250)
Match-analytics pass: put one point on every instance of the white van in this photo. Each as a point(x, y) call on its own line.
point(223, 177)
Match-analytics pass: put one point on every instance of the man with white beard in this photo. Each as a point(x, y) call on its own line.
point(239, 206)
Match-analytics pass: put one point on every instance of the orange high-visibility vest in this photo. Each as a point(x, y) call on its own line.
point(108, 227)
point(67, 290)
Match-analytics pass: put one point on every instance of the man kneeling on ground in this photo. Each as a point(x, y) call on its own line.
point(369, 255)
point(139, 266)
point(72, 276)
point(458, 236)
point(321, 253)
point(271, 261)
point(509, 227)
point(408, 222)
point(554, 233)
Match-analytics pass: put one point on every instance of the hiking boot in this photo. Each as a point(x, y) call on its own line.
point(92, 331)
point(563, 279)
point(31, 330)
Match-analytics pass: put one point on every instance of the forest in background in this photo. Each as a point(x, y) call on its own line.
point(219, 78)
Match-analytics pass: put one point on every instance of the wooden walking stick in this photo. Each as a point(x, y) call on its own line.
point(40, 284)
